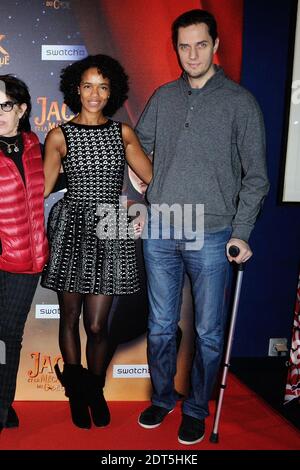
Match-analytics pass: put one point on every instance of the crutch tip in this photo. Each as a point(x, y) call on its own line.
point(214, 437)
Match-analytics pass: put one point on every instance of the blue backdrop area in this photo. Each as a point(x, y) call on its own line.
point(270, 280)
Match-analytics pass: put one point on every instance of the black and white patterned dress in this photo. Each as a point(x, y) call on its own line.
point(80, 261)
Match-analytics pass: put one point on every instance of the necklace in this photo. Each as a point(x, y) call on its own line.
point(9, 146)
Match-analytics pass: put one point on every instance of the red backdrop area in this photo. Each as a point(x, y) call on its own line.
point(138, 34)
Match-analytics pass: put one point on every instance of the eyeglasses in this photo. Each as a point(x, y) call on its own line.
point(7, 106)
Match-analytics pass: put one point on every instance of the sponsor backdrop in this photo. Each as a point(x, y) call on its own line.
point(37, 39)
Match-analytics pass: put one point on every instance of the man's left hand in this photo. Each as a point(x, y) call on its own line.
point(245, 250)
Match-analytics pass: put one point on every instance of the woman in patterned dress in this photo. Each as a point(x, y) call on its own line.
point(90, 258)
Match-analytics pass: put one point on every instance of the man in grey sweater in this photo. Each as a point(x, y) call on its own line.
point(207, 136)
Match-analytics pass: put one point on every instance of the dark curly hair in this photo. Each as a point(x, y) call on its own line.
point(18, 91)
point(109, 68)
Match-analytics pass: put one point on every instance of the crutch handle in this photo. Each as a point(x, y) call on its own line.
point(234, 251)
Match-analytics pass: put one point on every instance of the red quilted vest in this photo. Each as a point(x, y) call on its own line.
point(22, 230)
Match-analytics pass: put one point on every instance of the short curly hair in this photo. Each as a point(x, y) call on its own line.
point(110, 68)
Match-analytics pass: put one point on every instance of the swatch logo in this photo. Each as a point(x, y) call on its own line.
point(53, 52)
point(46, 312)
point(130, 371)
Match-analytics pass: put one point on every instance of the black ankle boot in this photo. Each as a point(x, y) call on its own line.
point(97, 403)
point(12, 420)
point(73, 379)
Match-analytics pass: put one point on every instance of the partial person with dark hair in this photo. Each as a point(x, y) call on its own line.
point(87, 269)
point(23, 243)
point(207, 134)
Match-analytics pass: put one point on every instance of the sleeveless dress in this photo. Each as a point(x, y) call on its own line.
point(80, 260)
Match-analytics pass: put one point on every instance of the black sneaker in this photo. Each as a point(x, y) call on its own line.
point(153, 416)
point(191, 430)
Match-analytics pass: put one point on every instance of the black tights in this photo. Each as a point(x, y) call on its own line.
point(96, 310)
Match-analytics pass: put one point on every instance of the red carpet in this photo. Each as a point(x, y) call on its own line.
point(247, 423)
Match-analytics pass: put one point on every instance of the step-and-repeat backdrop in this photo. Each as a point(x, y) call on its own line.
point(39, 38)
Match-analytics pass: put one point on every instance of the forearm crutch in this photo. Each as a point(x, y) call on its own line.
point(234, 252)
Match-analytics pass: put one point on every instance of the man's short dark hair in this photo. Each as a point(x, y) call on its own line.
point(194, 17)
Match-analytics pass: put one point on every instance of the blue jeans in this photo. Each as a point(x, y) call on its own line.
point(166, 262)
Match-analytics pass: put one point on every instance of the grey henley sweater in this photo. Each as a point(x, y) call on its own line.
point(209, 148)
